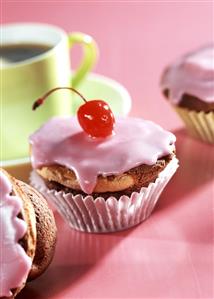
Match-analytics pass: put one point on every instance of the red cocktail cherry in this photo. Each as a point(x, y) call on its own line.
point(95, 116)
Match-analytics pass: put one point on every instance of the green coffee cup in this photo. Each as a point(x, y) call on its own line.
point(34, 59)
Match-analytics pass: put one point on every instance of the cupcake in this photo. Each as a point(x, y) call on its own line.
point(103, 174)
point(188, 84)
point(27, 235)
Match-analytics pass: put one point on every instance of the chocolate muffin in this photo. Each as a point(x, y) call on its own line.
point(28, 235)
point(61, 178)
point(188, 84)
point(102, 184)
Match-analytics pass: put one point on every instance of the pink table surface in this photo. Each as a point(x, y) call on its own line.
point(171, 254)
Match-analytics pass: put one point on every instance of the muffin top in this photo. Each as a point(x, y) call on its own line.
point(192, 76)
point(135, 141)
point(16, 264)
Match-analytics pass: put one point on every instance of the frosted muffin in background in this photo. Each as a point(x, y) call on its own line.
point(188, 84)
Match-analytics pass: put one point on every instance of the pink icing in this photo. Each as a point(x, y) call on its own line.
point(134, 142)
point(192, 74)
point(14, 262)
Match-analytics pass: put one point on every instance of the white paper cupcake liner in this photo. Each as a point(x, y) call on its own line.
point(100, 215)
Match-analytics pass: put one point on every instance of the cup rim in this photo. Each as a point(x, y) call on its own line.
point(62, 33)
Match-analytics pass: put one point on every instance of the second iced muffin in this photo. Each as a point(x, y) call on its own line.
point(188, 84)
point(102, 184)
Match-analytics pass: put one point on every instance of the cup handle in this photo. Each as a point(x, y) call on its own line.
point(90, 54)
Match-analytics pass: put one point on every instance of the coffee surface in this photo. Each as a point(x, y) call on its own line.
point(10, 54)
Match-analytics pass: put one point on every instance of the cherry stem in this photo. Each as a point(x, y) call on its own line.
point(40, 101)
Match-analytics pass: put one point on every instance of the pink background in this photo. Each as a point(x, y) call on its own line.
point(170, 255)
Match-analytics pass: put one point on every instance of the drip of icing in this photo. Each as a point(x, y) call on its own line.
point(14, 262)
point(135, 142)
point(192, 74)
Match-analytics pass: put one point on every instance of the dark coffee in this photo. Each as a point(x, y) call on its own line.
point(10, 54)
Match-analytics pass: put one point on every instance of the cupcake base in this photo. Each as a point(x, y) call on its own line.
point(199, 124)
point(101, 216)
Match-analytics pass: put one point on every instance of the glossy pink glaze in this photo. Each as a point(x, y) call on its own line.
point(14, 262)
point(134, 142)
point(192, 74)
